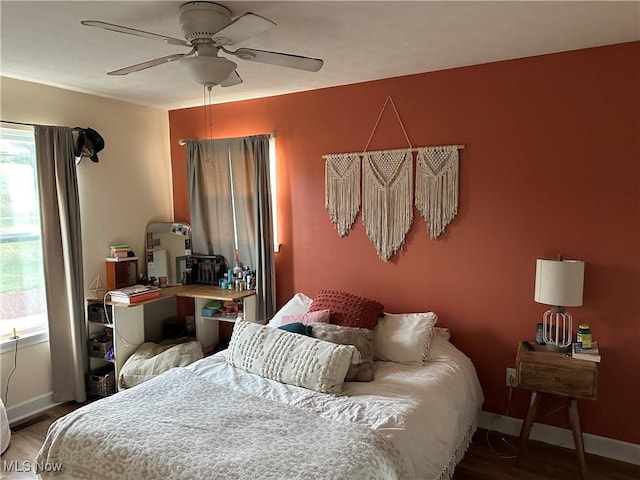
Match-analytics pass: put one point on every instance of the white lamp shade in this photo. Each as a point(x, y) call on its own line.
point(559, 282)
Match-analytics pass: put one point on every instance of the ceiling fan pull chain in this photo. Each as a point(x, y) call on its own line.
point(389, 99)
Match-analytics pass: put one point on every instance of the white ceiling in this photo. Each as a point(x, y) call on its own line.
point(44, 42)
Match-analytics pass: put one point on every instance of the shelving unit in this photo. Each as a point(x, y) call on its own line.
point(207, 328)
point(134, 324)
point(96, 318)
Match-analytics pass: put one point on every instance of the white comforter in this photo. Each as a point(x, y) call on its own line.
point(427, 414)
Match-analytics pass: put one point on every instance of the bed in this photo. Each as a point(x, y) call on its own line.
point(217, 419)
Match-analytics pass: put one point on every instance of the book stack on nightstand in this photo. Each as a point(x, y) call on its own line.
point(591, 354)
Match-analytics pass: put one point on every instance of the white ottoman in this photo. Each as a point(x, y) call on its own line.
point(5, 432)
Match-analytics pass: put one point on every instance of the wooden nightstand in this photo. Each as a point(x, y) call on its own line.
point(547, 372)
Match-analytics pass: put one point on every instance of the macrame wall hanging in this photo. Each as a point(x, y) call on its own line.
point(437, 186)
point(342, 189)
point(387, 190)
point(387, 207)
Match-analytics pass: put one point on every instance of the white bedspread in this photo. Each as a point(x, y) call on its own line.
point(428, 412)
point(177, 428)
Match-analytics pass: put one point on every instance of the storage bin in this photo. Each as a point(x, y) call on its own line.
point(96, 313)
point(98, 346)
point(101, 381)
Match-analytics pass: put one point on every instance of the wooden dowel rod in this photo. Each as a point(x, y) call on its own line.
point(414, 149)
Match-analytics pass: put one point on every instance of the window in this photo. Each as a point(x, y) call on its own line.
point(274, 192)
point(22, 294)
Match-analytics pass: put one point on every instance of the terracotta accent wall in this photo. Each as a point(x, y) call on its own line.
point(551, 166)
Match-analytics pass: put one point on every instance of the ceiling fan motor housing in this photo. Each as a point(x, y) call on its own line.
point(200, 20)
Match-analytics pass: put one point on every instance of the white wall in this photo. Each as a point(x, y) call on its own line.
point(129, 187)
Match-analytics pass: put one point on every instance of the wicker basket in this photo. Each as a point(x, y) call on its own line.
point(99, 347)
point(101, 381)
point(96, 312)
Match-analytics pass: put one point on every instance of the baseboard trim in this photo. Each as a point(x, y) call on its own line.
point(30, 408)
point(563, 437)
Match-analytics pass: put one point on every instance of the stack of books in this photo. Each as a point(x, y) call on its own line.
point(134, 294)
point(592, 354)
point(118, 251)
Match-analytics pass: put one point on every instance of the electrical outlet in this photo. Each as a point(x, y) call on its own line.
point(511, 377)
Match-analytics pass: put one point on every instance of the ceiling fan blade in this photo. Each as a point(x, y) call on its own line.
point(233, 79)
point(133, 31)
point(280, 59)
point(144, 65)
point(243, 27)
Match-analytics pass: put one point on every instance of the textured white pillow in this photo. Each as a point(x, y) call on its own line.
point(289, 357)
point(404, 337)
point(298, 304)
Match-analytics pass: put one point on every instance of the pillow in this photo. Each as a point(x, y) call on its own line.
point(321, 316)
point(404, 337)
point(361, 338)
point(442, 332)
point(348, 310)
point(297, 327)
point(299, 303)
point(290, 358)
point(151, 359)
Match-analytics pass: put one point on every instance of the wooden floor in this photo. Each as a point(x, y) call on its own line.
point(482, 462)
point(541, 461)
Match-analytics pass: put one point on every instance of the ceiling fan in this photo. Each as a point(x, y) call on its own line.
point(208, 29)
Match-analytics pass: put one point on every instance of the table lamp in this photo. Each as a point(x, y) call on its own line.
point(559, 284)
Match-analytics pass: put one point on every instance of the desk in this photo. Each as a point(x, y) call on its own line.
point(134, 324)
point(544, 371)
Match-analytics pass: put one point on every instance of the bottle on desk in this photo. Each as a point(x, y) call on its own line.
point(583, 338)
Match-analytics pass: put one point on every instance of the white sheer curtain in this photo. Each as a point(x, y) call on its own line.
point(230, 176)
point(62, 253)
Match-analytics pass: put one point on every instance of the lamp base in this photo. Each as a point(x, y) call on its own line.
point(557, 330)
point(552, 347)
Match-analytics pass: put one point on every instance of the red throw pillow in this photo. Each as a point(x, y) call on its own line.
point(348, 310)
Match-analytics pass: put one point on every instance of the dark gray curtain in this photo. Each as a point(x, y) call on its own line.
point(62, 253)
point(211, 205)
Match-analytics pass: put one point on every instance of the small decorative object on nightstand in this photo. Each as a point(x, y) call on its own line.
point(559, 284)
point(548, 372)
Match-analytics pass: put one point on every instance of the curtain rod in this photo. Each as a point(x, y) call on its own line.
point(182, 141)
point(32, 124)
point(18, 123)
point(414, 149)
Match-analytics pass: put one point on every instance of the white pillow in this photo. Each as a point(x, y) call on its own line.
point(404, 337)
point(289, 357)
point(298, 304)
point(151, 359)
point(442, 332)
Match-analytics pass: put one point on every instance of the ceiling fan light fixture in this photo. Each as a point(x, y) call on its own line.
point(208, 70)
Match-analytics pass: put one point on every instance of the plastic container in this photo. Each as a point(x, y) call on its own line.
point(583, 338)
point(540, 334)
